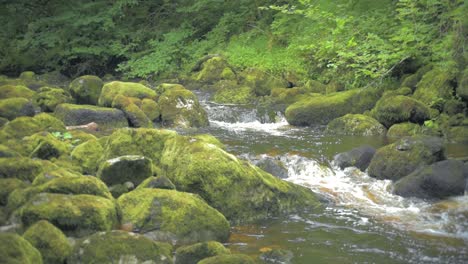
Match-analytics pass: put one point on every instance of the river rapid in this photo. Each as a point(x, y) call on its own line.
point(361, 220)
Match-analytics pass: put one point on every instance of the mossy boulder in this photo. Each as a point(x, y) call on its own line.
point(453, 107)
point(120, 247)
point(12, 108)
point(194, 253)
point(238, 95)
point(150, 108)
point(17, 250)
point(399, 159)
point(10, 91)
point(27, 75)
point(167, 215)
point(129, 168)
point(50, 241)
point(73, 115)
point(24, 169)
point(357, 125)
point(322, 109)
point(129, 89)
point(53, 173)
point(410, 129)
point(47, 98)
point(314, 86)
point(7, 152)
point(44, 145)
point(88, 156)
point(75, 215)
point(3, 121)
point(458, 134)
point(215, 69)
point(159, 182)
point(136, 117)
point(287, 96)
point(26, 126)
point(462, 88)
point(434, 84)
point(86, 89)
point(7, 186)
point(180, 108)
point(439, 180)
point(262, 82)
point(399, 109)
point(228, 259)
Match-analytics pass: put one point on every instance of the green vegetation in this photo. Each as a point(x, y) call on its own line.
point(16, 250)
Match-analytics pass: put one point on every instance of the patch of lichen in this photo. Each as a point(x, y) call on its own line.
point(112, 89)
point(75, 215)
point(12, 108)
point(50, 241)
point(194, 253)
point(7, 186)
point(48, 98)
point(181, 216)
point(434, 84)
point(238, 95)
point(356, 124)
point(10, 91)
point(88, 156)
point(16, 250)
point(398, 109)
point(228, 259)
point(120, 247)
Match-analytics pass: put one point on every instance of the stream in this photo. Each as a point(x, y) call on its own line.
point(361, 220)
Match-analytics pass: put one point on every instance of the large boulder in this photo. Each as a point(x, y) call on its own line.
point(434, 84)
point(48, 98)
point(129, 168)
point(167, 215)
point(10, 91)
point(320, 110)
point(356, 125)
point(12, 108)
point(50, 241)
point(73, 115)
point(439, 180)
point(399, 109)
point(399, 159)
point(179, 107)
point(88, 156)
point(75, 215)
point(228, 259)
point(358, 157)
point(86, 89)
point(194, 253)
point(120, 247)
point(16, 250)
point(129, 89)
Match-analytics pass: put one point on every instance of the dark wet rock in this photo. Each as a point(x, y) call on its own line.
point(131, 168)
point(73, 115)
point(398, 109)
point(273, 166)
point(358, 157)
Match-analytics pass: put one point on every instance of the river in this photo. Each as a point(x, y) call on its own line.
point(361, 221)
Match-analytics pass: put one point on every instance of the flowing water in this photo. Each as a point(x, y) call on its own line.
point(361, 221)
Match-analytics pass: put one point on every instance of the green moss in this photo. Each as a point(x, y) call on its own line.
point(121, 101)
point(207, 138)
point(50, 241)
point(23, 168)
point(411, 81)
point(462, 88)
point(7, 186)
point(12, 108)
point(404, 130)
point(160, 182)
point(112, 89)
point(27, 75)
point(261, 82)
point(16, 250)
point(136, 117)
point(74, 115)
point(170, 215)
point(53, 173)
point(86, 89)
point(215, 69)
point(120, 247)
point(45, 146)
point(314, 86)
point(398, 109)
point(80, 136)
point(356, 124)
point(163, 87)
point(406, 91)
point(7, 152)
point(239, 95)
point(75, 215)
point(3, 121)
point(434, 84)
point(48, 98)
point(129, 168)
point(322, 109)
point(458, 134)
point(150, 108)
point(9, 91)
point(228, 259)
point(26, 126)
point(88, 156)
point(194, 253)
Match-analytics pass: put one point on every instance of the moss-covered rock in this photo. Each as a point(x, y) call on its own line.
point(458, 134)
point(287, 96)
point(7, 186)
point(433, 85)
point(215, 69)
point(132, 168)
point(50, 241)
point(7, 152)
point(44, 145)
point(238, 95)
point(136, 117)
point(462, 88)
point(10, 91)
point(356, 124)
point(12, 108)
point(411, 129)
point(75, 215)
point(88, 156)
point(160, 182)
point(73, 115)
point(398, 109)
point(112, 89)
point(120, 247)
point(47, 98)
point(86, 89)
point(262, 82)
point(150, 108)
point(314, 86)
point(194, 253)
point(322, 109)
point(3, 121)
point(27, 75)
point(180, 108)
point(26, 126)
point(16, 250)
point(453, 107)
point(24, 169)
point(53, 173)
point(168, 215)
point(399, 159)
point(228, 259)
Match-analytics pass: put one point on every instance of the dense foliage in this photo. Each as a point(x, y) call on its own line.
point(352, 41)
